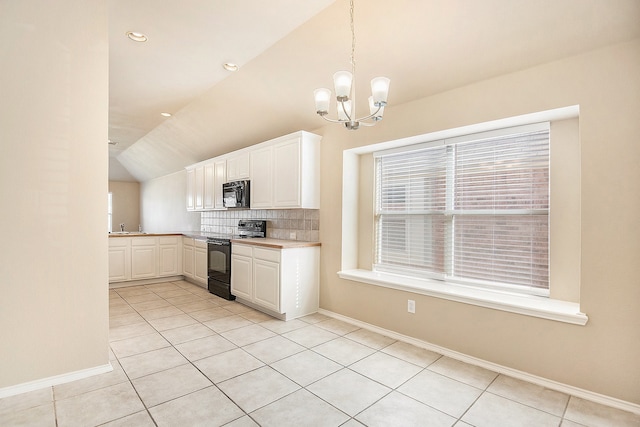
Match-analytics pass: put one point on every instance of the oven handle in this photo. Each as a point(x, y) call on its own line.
point(219, 243)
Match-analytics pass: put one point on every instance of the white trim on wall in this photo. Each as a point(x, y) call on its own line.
point(55, 380)
point(505, 370)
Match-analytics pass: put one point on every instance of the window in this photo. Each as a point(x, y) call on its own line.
point(472, 210)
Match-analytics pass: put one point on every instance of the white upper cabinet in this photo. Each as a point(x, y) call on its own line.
point(238, 166)
point(262, 177)
point(191, 189)
point(209, 186)
point(204, 185)
point(199, 188)
point(220, 177)
point(284, 174)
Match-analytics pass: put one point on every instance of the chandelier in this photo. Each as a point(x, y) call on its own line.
point(343, 82)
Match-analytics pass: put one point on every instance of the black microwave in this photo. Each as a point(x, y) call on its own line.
point(235, 194)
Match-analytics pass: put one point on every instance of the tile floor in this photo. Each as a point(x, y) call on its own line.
point(183, 357)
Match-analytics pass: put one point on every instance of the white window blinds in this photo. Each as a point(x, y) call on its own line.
point(472, 210)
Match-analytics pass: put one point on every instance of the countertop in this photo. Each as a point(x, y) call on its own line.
point(275, 243)
point(138, 234)
point(199, 235)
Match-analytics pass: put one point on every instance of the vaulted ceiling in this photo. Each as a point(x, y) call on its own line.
point(287, 48)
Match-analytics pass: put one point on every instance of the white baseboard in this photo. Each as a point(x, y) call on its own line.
point(544, 382)
point(55, 380)
point(115, 285)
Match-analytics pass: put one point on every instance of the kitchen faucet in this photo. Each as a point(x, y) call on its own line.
point(122, 227)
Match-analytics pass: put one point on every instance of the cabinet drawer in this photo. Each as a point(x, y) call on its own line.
point(143, 241)
point(168, 240)
point(241, 250)
point(266, 254)
point(201, 244)
point(187, 241)
point(119, 242)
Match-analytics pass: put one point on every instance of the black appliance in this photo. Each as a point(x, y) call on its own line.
point(236, 194)
point(219, 257)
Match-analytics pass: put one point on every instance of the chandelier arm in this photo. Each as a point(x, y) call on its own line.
point(333, 120)
point(370, 116)
point(345, 110)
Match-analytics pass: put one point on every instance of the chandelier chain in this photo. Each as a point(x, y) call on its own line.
point(353, 39)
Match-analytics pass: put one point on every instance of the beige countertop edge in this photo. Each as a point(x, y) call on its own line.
point(276, 243)
point(145, 234)
point(264, 242)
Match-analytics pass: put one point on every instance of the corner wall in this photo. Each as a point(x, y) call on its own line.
point(53, 181)
point(603, 355)
point(163, 205)
point(126, 205)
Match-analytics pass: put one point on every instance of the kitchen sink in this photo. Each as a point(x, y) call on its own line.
point(127, 232)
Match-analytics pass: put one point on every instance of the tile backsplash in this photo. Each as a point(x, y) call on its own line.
point(288, 224)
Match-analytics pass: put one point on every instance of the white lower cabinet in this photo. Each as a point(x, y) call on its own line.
point(188, 258)
point(241, 275)
point(169, 256)
point(200, 261)
point(282, 282)
point(119, 259)
point(194, 260)
point(144, 257)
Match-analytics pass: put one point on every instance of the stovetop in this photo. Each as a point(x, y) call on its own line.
point(246, 228)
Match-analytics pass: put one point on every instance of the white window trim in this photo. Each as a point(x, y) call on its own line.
point(546, 308)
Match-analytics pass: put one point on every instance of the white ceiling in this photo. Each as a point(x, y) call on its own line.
point(287, 48)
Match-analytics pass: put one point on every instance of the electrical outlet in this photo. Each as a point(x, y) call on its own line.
point(292, 235)
point(411, 306)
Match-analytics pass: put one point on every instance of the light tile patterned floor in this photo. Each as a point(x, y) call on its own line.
point(183, 357)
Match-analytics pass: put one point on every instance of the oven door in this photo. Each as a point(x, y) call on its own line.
point(219, 268)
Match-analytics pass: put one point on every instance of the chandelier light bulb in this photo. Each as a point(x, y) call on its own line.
point(322, 97)
point(380, 90)
point(342, 82)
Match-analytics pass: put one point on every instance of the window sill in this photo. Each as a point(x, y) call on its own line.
point(545, 308)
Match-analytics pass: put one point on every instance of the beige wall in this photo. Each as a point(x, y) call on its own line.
point(53, 181)
point(603, 355)
point(163, 204)
point(125, 204)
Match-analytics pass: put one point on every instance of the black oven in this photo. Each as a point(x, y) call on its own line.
point(219, 257)
point(219, 267)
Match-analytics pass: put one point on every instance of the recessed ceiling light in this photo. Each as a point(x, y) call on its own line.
point(136, 37)
point(230, 66)
point(165, 114)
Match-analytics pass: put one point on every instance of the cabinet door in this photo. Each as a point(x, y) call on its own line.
point(169, 260)
point(286, 174)
point(266, 283)
point(191, 189)
point(188, 264)
point(143, 261)
point(209, 186)
point(220, 177)
point(261, 178)
point(119, 263)
point(201, 272)
point(241, 277)
point(199, 188)
point(238, 167)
